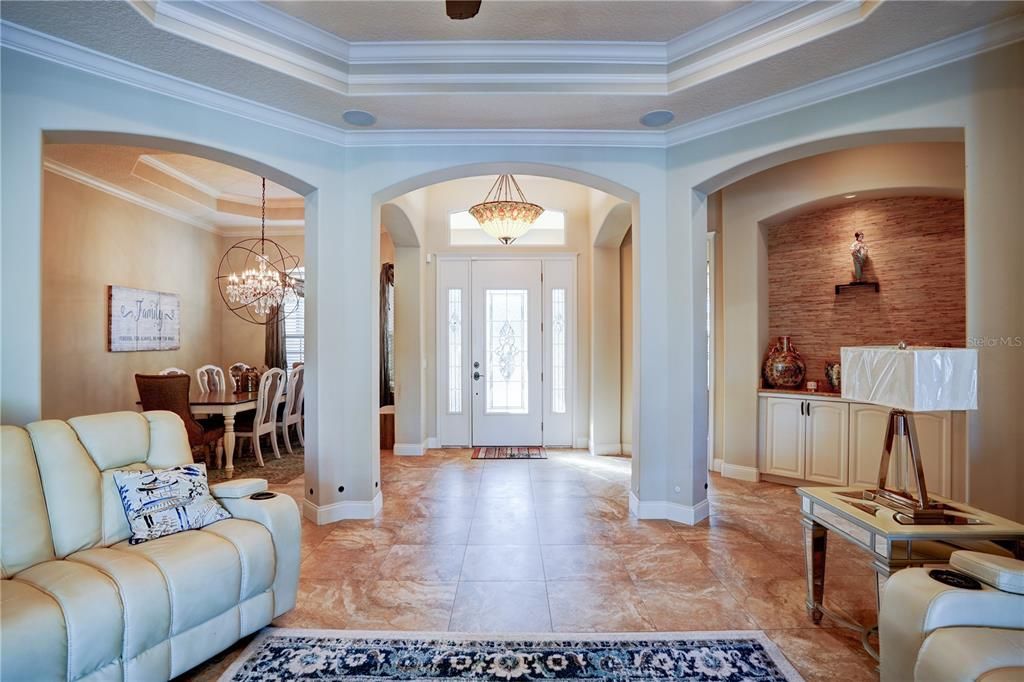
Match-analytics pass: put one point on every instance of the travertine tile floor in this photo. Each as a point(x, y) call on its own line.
point(549, 545)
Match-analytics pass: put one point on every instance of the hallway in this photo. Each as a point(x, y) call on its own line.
point(516, 546)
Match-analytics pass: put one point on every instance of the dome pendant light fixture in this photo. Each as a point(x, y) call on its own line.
point(505, 214)
point(255, 276)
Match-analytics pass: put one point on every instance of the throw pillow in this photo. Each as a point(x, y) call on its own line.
point(167, 501)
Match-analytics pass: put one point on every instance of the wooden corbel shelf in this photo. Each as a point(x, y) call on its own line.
point(840, 288)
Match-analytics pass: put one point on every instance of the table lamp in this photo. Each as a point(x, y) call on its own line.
point(907, 380)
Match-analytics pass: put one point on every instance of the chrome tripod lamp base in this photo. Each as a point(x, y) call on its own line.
point(909, 379)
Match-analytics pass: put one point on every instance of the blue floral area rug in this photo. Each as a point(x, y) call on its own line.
point(291, 654)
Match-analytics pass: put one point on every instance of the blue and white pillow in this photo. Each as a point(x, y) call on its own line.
point(167, 501)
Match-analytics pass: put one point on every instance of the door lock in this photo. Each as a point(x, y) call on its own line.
point(476, 376)
point(476, 365)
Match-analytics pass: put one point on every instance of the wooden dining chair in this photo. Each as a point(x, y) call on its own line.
point(235, 372)
point(291, 414)
point(172, 370)
point(211, 378)
point(170, 392)
point(263, 421)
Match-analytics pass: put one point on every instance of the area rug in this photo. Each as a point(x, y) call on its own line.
point(509, 453)
point(294, 654)
point(277, 471)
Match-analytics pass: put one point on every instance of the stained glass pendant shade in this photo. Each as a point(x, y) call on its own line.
point(255, 277)
point(505, 214)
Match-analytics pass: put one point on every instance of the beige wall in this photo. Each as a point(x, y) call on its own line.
point(90, 241)
point(745, 204)
point(626, 341)
point(243, 341)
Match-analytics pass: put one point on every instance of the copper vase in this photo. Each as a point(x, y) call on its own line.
point(783, 368)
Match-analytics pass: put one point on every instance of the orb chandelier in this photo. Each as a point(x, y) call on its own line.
point(505, 215)
point(256, 276)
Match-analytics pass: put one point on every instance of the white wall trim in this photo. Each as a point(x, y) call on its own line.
point(581, 444)
point(433, 443)
point(340, 511)
point(952, 49)
point(716, 464)
point(741, 473)
point(409, 449)
point(672, 511)
point(606, 449)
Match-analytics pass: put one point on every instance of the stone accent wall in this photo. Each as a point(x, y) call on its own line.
point(916, 254)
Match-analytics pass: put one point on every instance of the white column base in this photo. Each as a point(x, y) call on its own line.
point(671, 511)
point(409, 449)
point(741, 473)
point(433, 443)
point(340, 511)
point(607, 449)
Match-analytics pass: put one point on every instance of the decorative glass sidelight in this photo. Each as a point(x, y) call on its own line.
point(455, 351)
point(506, 352)
point(558, 351)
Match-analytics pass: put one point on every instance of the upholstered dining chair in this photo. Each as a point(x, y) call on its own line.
point(172, 370)
point(170, 392)
point(291, 414)
point(211, 378)
point(235, 372)
point(263, 421)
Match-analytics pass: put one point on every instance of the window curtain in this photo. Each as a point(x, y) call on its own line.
point(274, 350)
point(387, 371)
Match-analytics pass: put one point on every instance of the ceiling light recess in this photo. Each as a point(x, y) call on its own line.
point(358, 117)
point(657, 118)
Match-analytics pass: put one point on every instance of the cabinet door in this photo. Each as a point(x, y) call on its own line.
point(867, 436)
point(784, 437)
point(827, 442)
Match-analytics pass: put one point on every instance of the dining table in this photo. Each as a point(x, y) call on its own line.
point(228, 404)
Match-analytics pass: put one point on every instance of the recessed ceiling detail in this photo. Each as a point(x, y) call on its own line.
point(203, 193)
point(579, 78)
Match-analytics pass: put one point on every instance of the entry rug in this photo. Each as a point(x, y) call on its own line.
point(509, 453)
point(293, 654)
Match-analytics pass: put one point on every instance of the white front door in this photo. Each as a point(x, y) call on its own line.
point(507, 353)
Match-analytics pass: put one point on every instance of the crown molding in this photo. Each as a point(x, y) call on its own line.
point(737, 22)
point(50, 48)
point(124, 194)
point(167, 169)
point(931, 56)
point(954, 48)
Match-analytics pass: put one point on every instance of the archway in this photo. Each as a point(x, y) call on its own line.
point(254, 166)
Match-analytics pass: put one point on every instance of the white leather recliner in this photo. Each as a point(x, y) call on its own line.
point(931, 632)
point(77, 602)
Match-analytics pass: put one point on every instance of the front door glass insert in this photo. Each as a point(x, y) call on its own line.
point(506, 351)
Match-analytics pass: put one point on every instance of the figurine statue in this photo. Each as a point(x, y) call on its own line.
point(859, 251)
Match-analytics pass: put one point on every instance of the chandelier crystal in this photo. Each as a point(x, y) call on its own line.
point(505, 214)
point(265, 286)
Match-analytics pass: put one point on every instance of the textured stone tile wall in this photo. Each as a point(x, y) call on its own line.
point(916, 253)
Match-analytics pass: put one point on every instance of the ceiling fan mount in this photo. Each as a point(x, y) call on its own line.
point(462, 9)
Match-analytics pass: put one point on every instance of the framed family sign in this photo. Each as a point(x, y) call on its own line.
point(143, 320)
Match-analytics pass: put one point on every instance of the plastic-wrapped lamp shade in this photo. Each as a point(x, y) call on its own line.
point(916, 379)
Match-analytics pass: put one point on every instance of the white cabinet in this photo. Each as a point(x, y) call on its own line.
point(805, 439)
point(784, 437)
point(867, 435)
point(827, 426)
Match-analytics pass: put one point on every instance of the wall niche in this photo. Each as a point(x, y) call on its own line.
point(916, 253)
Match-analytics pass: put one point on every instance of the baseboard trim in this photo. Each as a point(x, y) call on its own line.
point(581, 444)
point(716, 464)
point(607, 449)
point(341, 511)
point(433, 443)
point(627, 449)
point(672, 511)
point(409, 449)
point(741, 473)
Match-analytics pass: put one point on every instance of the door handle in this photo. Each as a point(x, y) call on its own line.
point(476, 376)
point(801, 408)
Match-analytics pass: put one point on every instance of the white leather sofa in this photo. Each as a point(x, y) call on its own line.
point(77, 602)
point(931, 632)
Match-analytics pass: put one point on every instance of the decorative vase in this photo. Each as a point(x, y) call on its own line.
point(833, 375)
point(783, 368)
